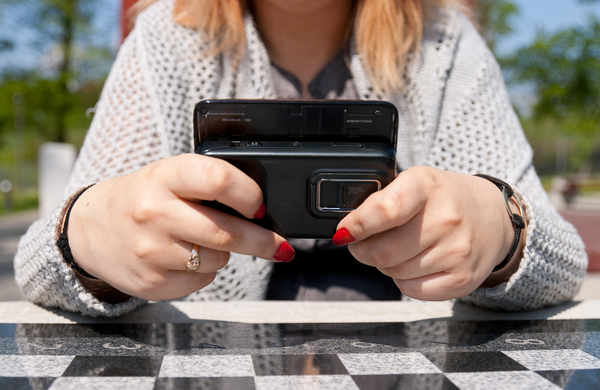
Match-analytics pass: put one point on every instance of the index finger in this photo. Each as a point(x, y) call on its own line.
point(391, 207)
point(209, 228)
point(198, 177)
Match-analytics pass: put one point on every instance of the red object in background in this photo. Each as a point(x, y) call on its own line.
point(588, 226)
point(125, 20)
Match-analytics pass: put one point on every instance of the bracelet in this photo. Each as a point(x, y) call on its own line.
point(517, 220)
point(63, 241)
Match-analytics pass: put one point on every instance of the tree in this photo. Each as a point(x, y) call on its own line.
point(5, 45)
point(62, 20)
point(5, 42)
point(64, 28)
point(47, 99)
point(494, 18)
point(563, 70)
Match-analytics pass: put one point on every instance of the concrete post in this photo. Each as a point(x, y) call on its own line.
point(56, 162)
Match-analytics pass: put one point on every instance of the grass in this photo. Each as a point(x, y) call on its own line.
point(589, 186)
point(23, 200)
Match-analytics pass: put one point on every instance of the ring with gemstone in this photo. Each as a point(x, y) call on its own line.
point(194, 261)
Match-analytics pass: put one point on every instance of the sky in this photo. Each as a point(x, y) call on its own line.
point(549, 15)
point(28, 55)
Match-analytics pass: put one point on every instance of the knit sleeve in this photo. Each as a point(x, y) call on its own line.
point(124, 136)
point(479, 132)
point(554, 260)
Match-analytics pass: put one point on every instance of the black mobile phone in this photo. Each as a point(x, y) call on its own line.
point(315, 161)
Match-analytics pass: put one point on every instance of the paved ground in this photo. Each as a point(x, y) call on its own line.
point(584, 215)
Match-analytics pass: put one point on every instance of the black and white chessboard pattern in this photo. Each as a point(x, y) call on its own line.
point(520, 369)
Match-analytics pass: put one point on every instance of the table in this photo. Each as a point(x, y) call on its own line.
point(302, 345)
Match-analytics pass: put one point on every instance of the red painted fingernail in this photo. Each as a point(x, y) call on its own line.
point(285, 253)
point(342, 237)
point(261, 211)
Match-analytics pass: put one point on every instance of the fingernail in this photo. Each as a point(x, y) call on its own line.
point(285, 253)
point(342, 237)
point(261, 211)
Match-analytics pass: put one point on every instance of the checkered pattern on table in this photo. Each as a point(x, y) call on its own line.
point(540, 369)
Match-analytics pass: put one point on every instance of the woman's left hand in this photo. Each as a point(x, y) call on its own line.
point(438, 234)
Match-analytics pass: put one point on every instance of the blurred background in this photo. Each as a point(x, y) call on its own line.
point(56, 54)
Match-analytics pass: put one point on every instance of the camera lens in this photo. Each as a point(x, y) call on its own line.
point(378, 113)
point(203, 110)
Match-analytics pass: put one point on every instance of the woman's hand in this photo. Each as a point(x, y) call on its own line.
point(438, 234)
point(136, 232)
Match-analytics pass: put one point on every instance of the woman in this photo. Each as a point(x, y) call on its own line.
point(437, 232)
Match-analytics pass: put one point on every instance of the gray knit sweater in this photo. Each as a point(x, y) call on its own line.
point(454, 115)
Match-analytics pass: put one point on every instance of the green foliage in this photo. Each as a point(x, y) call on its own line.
point(495, 19)
point(48, 104)
point(5, 45)
point(563, 71)
point(37, 108)
point(63, 26)
point(547, 136)
point(21, 137)
point(60, 22)
point(24, 200)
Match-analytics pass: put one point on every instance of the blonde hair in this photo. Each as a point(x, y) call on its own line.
point(385, 30)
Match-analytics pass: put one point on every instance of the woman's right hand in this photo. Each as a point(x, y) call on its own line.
point(136, 232)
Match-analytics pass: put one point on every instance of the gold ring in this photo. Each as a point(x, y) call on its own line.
point(194, 261)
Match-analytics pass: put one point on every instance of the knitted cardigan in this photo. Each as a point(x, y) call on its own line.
point(455, 115)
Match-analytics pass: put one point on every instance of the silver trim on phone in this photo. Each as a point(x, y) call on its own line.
point(339, 209)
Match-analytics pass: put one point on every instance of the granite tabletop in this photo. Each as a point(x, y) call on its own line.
point(301, 345)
